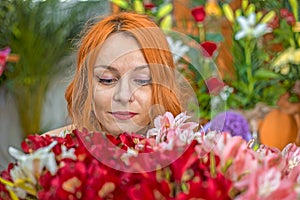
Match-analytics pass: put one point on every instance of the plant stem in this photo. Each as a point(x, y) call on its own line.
point(248, 51)
point(201, 32)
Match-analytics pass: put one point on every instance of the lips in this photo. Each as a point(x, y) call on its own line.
point(123, 115)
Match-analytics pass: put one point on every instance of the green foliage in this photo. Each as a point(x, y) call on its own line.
point(40, 32)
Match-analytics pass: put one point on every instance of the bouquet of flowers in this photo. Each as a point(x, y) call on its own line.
point(171, 162)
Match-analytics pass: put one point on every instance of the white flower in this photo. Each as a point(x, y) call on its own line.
point(31, 165)
point(177, 48)
point(68, 153)
point(249, 28)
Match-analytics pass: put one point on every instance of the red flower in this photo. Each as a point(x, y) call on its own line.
point(3, 57)
point(149, 6)
point(198, 13)
point(208, 48)
point(214, 85)
point(288, 16)
point(188, 158)
point(284, 12)
point(216, 188)
point(290, 19)
point(274, 23)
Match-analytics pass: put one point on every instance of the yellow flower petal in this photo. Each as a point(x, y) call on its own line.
point(212, 8)
point(166, 23)
point(244, 4)
point(71, 184)
point(138, 6)
point(250, 9)
point(6, 182)
point(106, 189)
point(285, 69)
point(296, 57)
point(228, 12)
point(268, 17)
point(259, 15)
point(296, 27)
point(238, 12)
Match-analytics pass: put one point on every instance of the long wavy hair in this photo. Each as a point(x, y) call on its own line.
point(155, 48)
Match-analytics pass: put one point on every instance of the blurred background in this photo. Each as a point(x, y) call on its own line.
point(254, 44)
point(40, 37)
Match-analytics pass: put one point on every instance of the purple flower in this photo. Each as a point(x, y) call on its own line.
point(232, 122)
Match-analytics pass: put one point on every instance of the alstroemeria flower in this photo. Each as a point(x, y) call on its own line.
point(209, 48)
point(33, 164)
point(198, 14)
point(3, 57)
point(249, 28)
point(165, 126)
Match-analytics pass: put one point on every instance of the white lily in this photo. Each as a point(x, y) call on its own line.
point(178, 48)
point(249, 28)
point(31, 165)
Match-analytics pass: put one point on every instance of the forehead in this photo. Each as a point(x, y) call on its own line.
point(120, 49)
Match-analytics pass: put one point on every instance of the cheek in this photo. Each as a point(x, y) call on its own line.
point(102, 99)
point(145, 99)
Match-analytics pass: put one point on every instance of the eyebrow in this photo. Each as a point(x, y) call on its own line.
point(106, 67)
point(110, 68)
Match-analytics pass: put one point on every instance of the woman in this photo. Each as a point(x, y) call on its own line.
point(125, 77)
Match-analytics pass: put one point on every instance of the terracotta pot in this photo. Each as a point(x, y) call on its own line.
point(278, 129)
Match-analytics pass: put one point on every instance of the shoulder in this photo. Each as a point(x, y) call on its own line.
point(60, 131)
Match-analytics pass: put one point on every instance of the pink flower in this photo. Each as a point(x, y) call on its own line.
point(243, 164)
point(268, 184)
point(3, 57)
point(166, 126)
point(198, 14)
point(208, 48)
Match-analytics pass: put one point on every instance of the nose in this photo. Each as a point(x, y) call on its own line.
point(124, 91)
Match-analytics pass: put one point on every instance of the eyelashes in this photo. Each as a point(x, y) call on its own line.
point(112, 81)
point(107, 81)
point(143, 82)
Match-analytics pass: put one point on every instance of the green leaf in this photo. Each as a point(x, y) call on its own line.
point(121, 3)
point(164, 10)
point(294, 5)
point(266, 74)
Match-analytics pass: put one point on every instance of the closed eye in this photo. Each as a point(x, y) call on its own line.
point(143, 82)
point(107, 81)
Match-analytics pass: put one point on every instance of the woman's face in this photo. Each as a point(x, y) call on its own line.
point(122, 86)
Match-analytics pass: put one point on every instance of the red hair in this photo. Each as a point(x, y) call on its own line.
point(156, 51)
